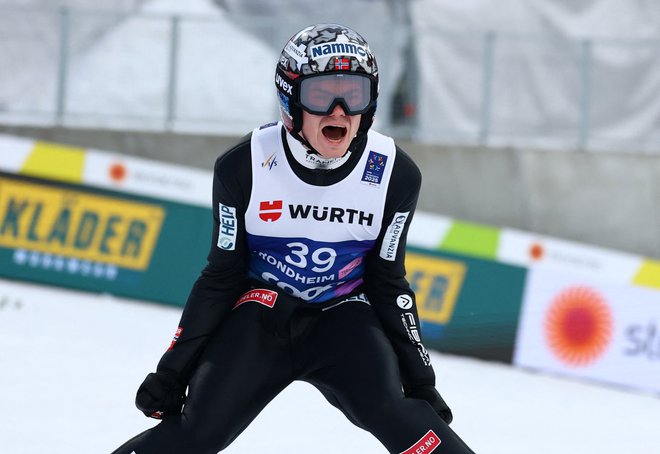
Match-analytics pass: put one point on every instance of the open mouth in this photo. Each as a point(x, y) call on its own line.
point(334, 133)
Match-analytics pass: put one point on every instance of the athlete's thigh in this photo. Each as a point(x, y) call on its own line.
point(350, 353)
point(357, 371)
point(244, 366)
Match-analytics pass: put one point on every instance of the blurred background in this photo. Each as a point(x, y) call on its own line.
point(543, 116)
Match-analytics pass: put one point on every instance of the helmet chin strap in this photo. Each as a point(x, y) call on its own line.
point(308, 146)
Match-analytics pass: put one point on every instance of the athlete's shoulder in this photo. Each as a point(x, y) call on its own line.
point(405, 172)
point(237, 155)
point(406, 163)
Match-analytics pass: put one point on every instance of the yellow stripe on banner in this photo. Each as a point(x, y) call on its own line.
point(55, 162)
point(648, 274)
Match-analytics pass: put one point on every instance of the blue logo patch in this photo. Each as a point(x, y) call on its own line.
point(373, 171)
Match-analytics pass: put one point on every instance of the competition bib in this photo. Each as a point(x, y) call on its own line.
point(312, 241)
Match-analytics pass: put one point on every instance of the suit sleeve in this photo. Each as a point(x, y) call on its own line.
point(223, 279)
point(385, 277)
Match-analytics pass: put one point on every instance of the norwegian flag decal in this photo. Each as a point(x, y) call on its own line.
point(342, 63)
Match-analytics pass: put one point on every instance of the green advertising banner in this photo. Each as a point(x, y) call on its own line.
point(75, 236)
point(139, 247)
point(469, 306)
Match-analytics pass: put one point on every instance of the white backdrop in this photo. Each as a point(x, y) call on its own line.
point(546, 85)
point(554, 73)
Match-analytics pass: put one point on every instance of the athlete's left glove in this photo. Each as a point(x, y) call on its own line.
point(433, 397)
point(161, 394)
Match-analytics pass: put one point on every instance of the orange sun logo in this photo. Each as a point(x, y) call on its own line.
point(578, 325)
point(117, 172)
point(536, 251)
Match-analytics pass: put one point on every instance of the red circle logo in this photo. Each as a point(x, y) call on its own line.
point(117, 172)
point(578, 325)
point(536, 251)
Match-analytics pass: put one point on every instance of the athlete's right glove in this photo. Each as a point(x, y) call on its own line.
point(433, 397)
point(161, 394)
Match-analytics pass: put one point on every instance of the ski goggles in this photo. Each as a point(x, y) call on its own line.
point(355, 93)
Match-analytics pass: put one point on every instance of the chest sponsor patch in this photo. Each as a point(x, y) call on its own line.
point(270, 211)
point(374, 169)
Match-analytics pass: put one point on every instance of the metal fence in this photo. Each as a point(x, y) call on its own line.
point(130, 69)
point(503, 88)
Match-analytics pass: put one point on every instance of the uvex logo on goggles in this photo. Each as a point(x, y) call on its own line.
point(320, 94)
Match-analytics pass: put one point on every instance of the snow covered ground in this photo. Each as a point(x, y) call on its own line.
point(70, 363)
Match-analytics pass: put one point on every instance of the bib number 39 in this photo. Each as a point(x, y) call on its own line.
point(299, 256)
point(323, 258)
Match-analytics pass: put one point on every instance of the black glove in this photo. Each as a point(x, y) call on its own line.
point(432, 396)
point(160, 394)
